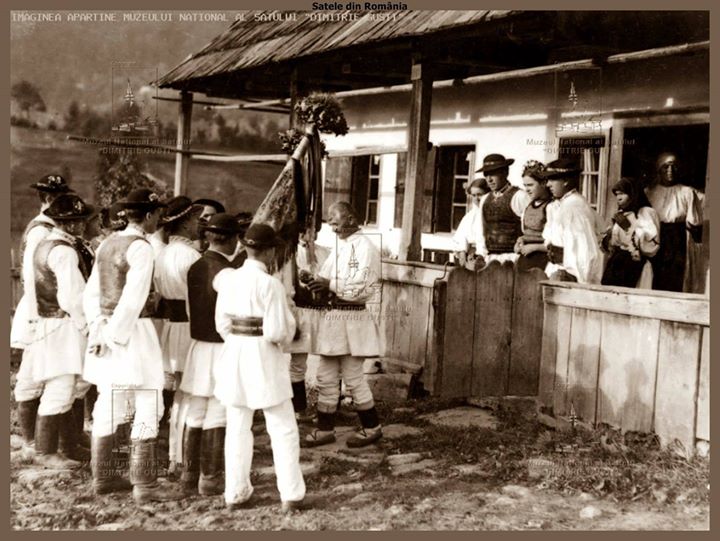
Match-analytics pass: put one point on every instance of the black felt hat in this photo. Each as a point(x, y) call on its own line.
point(561, 169)
point(141, 199)
point(52, 184)
point(217, 205)
point(261, 236)
point(177, 207)
point(493, 162)
point(69, 207)
point(222, 223)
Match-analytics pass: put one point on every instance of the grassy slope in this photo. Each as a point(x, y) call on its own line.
point(35, 153)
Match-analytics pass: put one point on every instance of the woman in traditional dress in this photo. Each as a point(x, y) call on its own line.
point(531, 245)
point(633, 238)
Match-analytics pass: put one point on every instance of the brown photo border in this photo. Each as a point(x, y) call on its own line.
point(228, 5)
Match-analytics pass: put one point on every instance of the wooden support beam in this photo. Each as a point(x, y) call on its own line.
point(182, 161)
point(418, 135)
point(294, 95)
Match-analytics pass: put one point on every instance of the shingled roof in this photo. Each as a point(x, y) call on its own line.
point(252, 44)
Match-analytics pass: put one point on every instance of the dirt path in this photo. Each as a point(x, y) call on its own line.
point(414, 480)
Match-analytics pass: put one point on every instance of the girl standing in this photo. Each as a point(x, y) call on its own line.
point(531, 245)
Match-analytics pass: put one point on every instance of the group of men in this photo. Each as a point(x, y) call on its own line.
point(179, 317)
point(551, 225)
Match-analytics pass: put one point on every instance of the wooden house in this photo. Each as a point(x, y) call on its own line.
point(427, 94)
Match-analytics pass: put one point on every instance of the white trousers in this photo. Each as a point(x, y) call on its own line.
point(285, 441)
point(298, 367)
point(205, 412)
point(58, 395)
point(115, 406)
point(330, 370)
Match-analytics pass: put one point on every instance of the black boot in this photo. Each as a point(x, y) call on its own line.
point(78, 411)
point(68, 438)
point(212, 462)
point(325, 432)
point(46, 444)
point(143, 475)
point(90, 399)
point(191, 458)
point(299, 399)
point(370, 432)
point(27, 416)
point(107, 470)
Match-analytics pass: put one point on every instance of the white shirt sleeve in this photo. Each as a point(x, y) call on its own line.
point(464, 234)
point(581, 254)
point(519, 202)
point(278, 321)
point(63, 261)
point(694, 204)
point(480, 246)
point(141, 259)
point(647, 231)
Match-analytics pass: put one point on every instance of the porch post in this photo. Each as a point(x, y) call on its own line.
point(418, 135)
point(182, 161)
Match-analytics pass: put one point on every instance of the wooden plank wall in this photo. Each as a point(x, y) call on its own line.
point(635, 360)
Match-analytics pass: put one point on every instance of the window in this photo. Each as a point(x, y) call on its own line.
point(454, 168)
point(373, 191)
point(590, 154)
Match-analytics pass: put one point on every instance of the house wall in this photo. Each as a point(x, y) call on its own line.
point(519, 117)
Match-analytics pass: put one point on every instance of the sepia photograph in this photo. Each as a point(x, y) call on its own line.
point(359, 266)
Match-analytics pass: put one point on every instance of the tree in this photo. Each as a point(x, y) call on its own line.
point(27, 96)
point(120, 172)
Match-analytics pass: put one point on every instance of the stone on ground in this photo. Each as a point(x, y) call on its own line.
point(516, 491)
point(590, 511)
point(423, 465)
point(348, 488)
point(394, 431)
point(405, 458)
point(464, 416)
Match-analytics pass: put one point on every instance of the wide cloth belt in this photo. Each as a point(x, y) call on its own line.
point(555, 254)
point(339, 304)
point(174, 310)
point(247, 326)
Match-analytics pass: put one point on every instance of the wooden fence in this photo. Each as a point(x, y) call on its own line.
point(634, 359)
point(471, 334)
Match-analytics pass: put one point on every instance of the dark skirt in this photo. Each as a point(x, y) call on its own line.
point(536, 260)
point(669, 263)
point(622, 270)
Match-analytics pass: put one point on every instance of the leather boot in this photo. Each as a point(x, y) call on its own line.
point(27, 416)
point(299, 398)
point(68, 445)
point(212, 462)
point(143, 475)
point(78, 411)
point(46, 444)
point(107, 470)
point(191, 458)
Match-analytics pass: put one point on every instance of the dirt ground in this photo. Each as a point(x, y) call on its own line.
point(441, 466)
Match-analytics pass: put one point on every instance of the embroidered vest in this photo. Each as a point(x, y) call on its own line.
point(534, 219)
point(23, 242)
point(46, 281)
point(502, 225)
point(113, 268)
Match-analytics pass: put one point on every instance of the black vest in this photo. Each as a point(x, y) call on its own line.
point(46, 281)
point(202, 297)
point(113, 268)
point(502, 225)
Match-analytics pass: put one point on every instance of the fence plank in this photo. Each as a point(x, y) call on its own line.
point(387, 323)
point(583, 362)
point(460, 322)
point(702, 429)
point(548, 355)
point(491, 346)
point(562, 353)
point(526, 333)
point(628, 366)
point(678, 359)
point(429, 374)
point(421, 299)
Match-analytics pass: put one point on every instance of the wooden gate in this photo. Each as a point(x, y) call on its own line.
point(490, 333)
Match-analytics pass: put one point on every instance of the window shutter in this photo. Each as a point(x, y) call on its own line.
point(400, 188)
point(428, 191)
point(359, 186)
point(444, 191)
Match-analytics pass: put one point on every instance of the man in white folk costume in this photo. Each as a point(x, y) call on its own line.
point(204, 433)
point(60, 334)
point(27, 391)
point(573, 228)
point(172, 264)
point(253, 317)
point(349, 332)
point(124, 358)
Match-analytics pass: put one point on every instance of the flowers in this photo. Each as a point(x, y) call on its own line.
point(322, 110)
